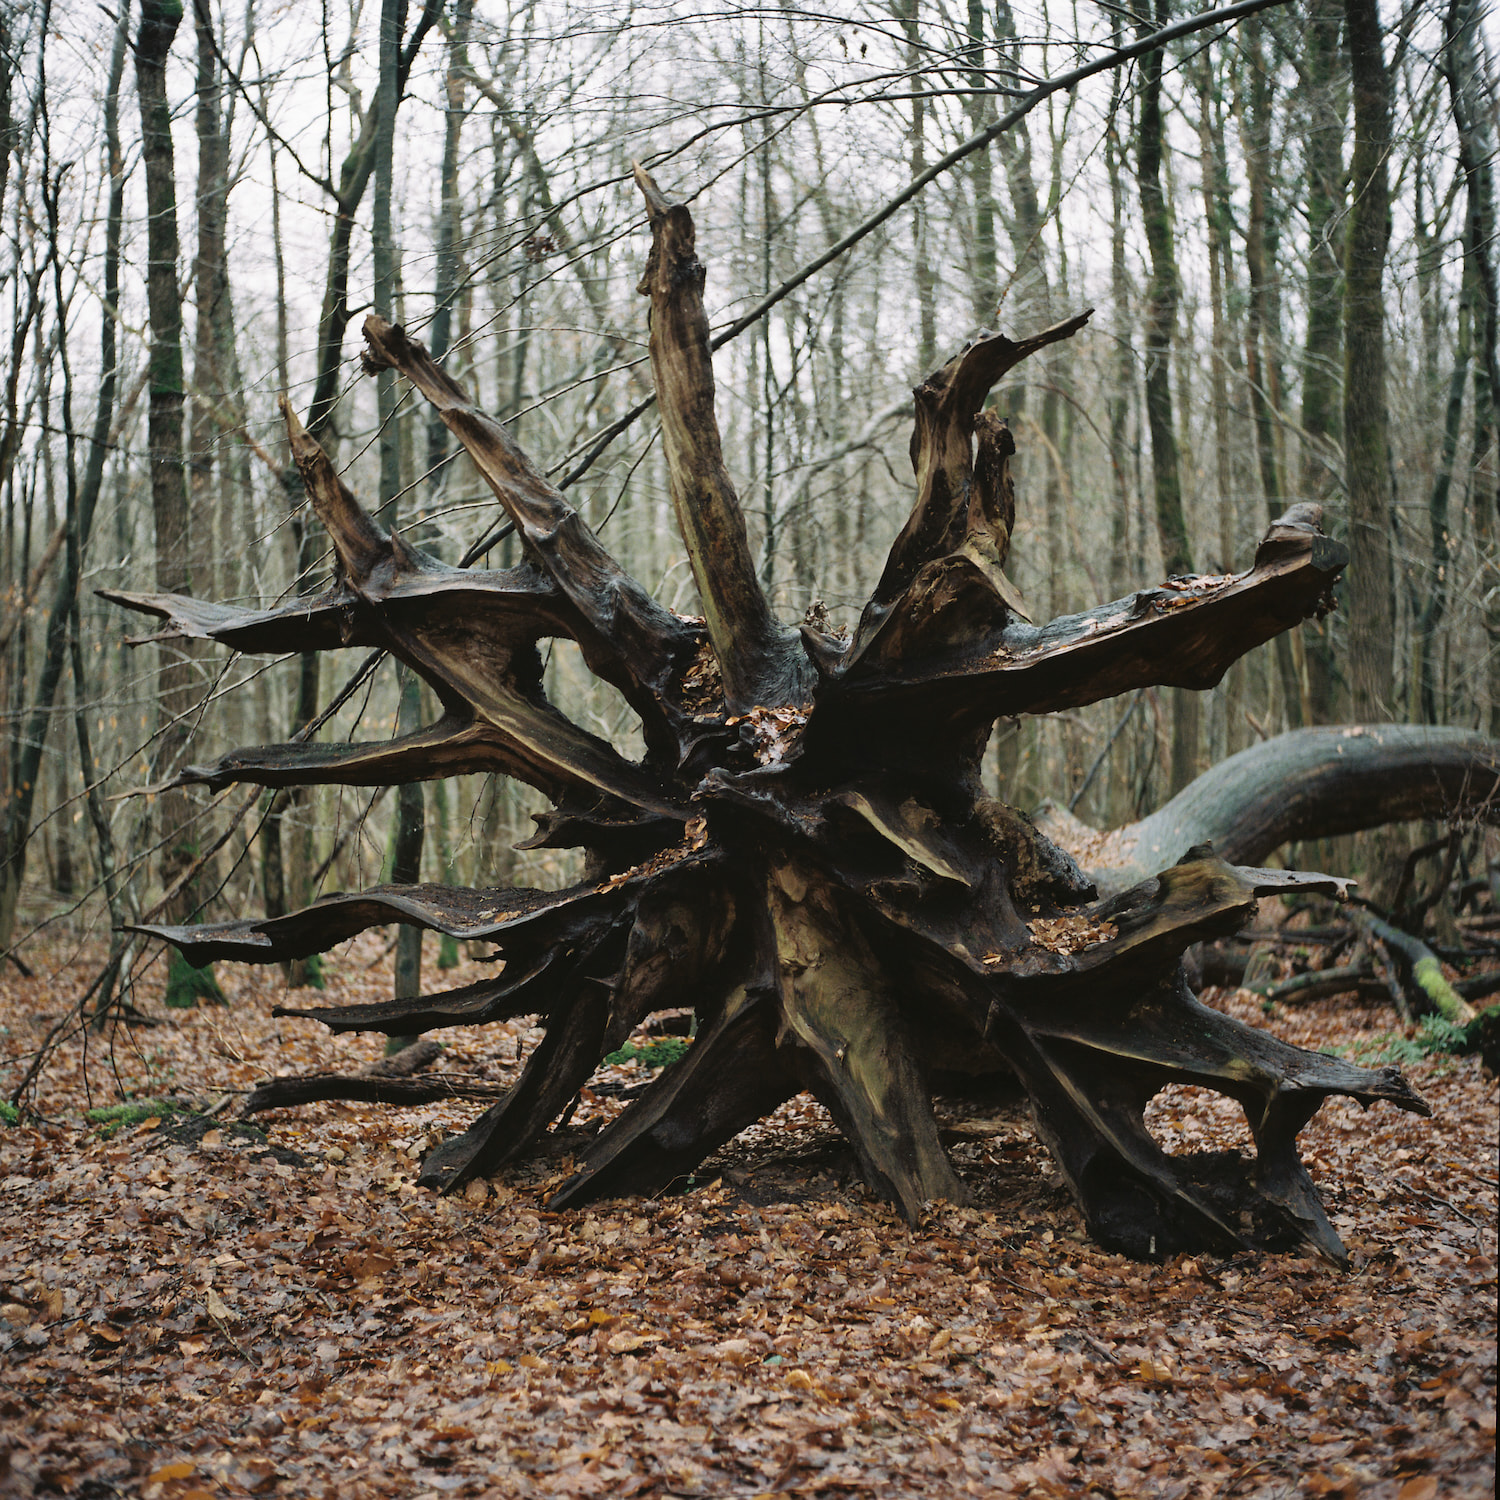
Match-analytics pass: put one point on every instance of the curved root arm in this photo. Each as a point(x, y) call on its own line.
point(626, 636)
point(923, 670)
point(759, 660)
point(508, 918)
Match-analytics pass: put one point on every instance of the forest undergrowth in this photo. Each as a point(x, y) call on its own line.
point(195, 1305)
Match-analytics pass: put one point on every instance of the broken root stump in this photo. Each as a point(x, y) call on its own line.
point(803, 855)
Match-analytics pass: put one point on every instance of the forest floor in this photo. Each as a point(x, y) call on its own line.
point(192, 1307)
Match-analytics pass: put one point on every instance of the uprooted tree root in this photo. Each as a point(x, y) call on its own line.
point(803, 855)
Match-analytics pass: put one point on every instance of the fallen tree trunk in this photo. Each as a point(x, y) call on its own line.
point(1419, 969)
point(1306, 784)
point(804, 855)
point(1319, 984)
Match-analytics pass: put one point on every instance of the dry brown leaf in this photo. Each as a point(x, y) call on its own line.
point(180, 1470)
point(830, 1311)
point(626, 1343)
point(1424, 1487)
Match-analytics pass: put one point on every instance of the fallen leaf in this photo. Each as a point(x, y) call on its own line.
point(1424, 1487)
point(625, 1343)
point(362, 1264)
point(1330, 1484)
point(181, 1470)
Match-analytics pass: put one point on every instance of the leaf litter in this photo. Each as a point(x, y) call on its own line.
point(192, 1307)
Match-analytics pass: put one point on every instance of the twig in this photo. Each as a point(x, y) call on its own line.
point(1103, 755)
point(105, 976)
point(1445, 1202)
point(342, 841)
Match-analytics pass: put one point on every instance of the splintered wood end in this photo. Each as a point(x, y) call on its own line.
point(656, 201)
point(377, 356)
point(294, 427)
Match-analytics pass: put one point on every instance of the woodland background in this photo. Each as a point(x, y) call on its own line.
point(1208, 206)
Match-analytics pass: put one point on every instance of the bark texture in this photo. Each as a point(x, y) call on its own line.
point(1366, 438)
point(1307, 784)
point(804, 855)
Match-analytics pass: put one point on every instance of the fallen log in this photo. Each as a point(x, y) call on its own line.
point(365, 1088)
point(1305, 784)
point(1427, 988)
point(1319, 984)
point(1480, 987)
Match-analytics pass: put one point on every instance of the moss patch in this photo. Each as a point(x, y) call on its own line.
point(653, 1054)
point(113, 1118)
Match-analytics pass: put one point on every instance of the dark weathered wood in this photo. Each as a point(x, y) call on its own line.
point(515, 606)
point(516, 992)
point(626, 637)
point(946, 688)
point(733, 1075)
point(553, 1074)
point(497, 915)
point(837, 1003)
point(759, 658)
point(804, 857)
point(364, 1088)
point(963, 491)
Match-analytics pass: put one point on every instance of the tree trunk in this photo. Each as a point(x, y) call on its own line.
point(407, 835)
point(1321, 426)
point(908, 13)
point(78, 527)
point(214, 325)
point(804, 855)
point(169, 490)
point(1161, 322)
point(1366, 460)
point(169, 496)
point(1254, 104)
point(1476, 155)
point(984, 281)
point(1306, 784)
